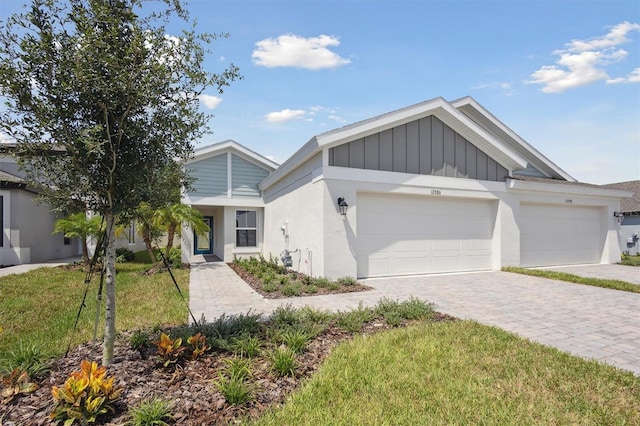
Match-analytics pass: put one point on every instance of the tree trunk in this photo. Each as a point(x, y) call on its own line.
point(146, 237)
point(171, 231)
point(85, 252)
point(110, 284)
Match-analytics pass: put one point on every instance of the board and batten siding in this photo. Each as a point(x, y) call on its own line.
point(245, 177)
point(426, 146)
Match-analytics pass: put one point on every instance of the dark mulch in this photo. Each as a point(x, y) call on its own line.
point(258, 285)
point(195, 401)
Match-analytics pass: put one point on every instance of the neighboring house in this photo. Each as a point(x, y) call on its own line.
point(630, 219)
point(431, 188)
point(26, 225)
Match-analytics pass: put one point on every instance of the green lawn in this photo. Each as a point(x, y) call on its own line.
point(562, 276)
point(459, 373)
point(630, 260)
point(40, 307)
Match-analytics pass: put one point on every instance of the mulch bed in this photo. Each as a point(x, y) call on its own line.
point(257, 284)
point(195, 401)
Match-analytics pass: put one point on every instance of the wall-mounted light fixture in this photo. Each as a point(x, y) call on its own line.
point(618, 215)
point(342, 206)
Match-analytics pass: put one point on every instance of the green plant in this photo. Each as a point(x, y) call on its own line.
point(322, 282)
point(151, 412)
point(310, 289)
point(235, 391)
point(283, 361)
point(296, 340)
point(285, 315)
point(292, 290)
point(228, 326)
point(246, 345)
point(238, 367)
point(126, 254)
point(140, 342)
point(15, 383)
point(394, 312)
point(347, 281)
point(334, 286)
point(354, 320)
point(174, 258)
point(86, 395)
point(283, 280)
point(26, 357)
point(169, 350)
point(270, 287)
point(197, 345)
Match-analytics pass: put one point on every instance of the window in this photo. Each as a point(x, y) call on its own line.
point(246, 228)
point(131, 232)
point(1, 221)
point(67, 241)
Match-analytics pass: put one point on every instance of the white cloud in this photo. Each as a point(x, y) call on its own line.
point(285, 115)
point(633, 77)
point(505, 87)
point(584, 61)
point(210, 101)
point(290, 50)
point(4, 138)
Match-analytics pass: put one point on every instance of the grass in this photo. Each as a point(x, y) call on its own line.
point(40, 306)
point(459, 373)
point(562, 276)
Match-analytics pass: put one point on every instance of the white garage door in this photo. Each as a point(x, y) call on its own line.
point(400, 235)
point(559, 235)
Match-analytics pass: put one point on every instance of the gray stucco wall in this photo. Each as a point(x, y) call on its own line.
point(426, 146)
point(630, 225)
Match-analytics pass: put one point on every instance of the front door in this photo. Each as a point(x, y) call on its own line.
point(203, 243)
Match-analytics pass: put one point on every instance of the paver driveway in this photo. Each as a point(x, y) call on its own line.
point(591, 322)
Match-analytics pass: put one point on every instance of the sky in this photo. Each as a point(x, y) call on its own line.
point(562, 74)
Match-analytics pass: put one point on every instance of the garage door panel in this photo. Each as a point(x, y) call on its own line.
point(559, 235)
point(422, 235)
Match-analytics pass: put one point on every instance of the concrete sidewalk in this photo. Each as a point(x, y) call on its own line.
point(587, 321)
point(21, 269)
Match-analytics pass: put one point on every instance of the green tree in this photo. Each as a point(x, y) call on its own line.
point(79, 226)
point(98, 98)
point(147, 227)
point(171, 218)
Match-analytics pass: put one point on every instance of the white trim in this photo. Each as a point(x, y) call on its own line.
point(223, 201)
point(439, 107)
point(221, 147)
point(247, 228)
point(559, 188)
point(6, 219)
point(229, 176)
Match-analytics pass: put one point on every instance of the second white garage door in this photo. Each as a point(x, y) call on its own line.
point(560, 235)
point(401, 235)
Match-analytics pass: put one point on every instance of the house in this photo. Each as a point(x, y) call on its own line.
point(435, 187)
point(630, 216)
point(26, 224)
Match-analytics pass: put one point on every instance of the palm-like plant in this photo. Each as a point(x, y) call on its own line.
point(147, 227)
point(79, 226)
point(173, 216)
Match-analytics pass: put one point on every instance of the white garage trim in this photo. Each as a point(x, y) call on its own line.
point(560, 235)
point(405, 235)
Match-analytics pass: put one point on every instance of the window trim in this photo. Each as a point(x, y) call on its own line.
point(246, 228)
point(131, 233)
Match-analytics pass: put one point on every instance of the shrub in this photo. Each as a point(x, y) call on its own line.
point(154, 411)
point(292, 290)
point(86, 395)
point(283, 361)
point(270, 287)
point(334, 286)
point(174, 258)
point(347, 281)
point(310, 289)
point(285, 315)
point(354, 320)
point(25, 357)
point(125, 254)
point(228, 326)
point(169, 350)
point(197, 345)
point(140, 342)
point(322, 282)
point(394, 312)
point(15, 383)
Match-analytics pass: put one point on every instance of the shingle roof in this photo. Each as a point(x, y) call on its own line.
point(628, 205)
point(553, 181)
